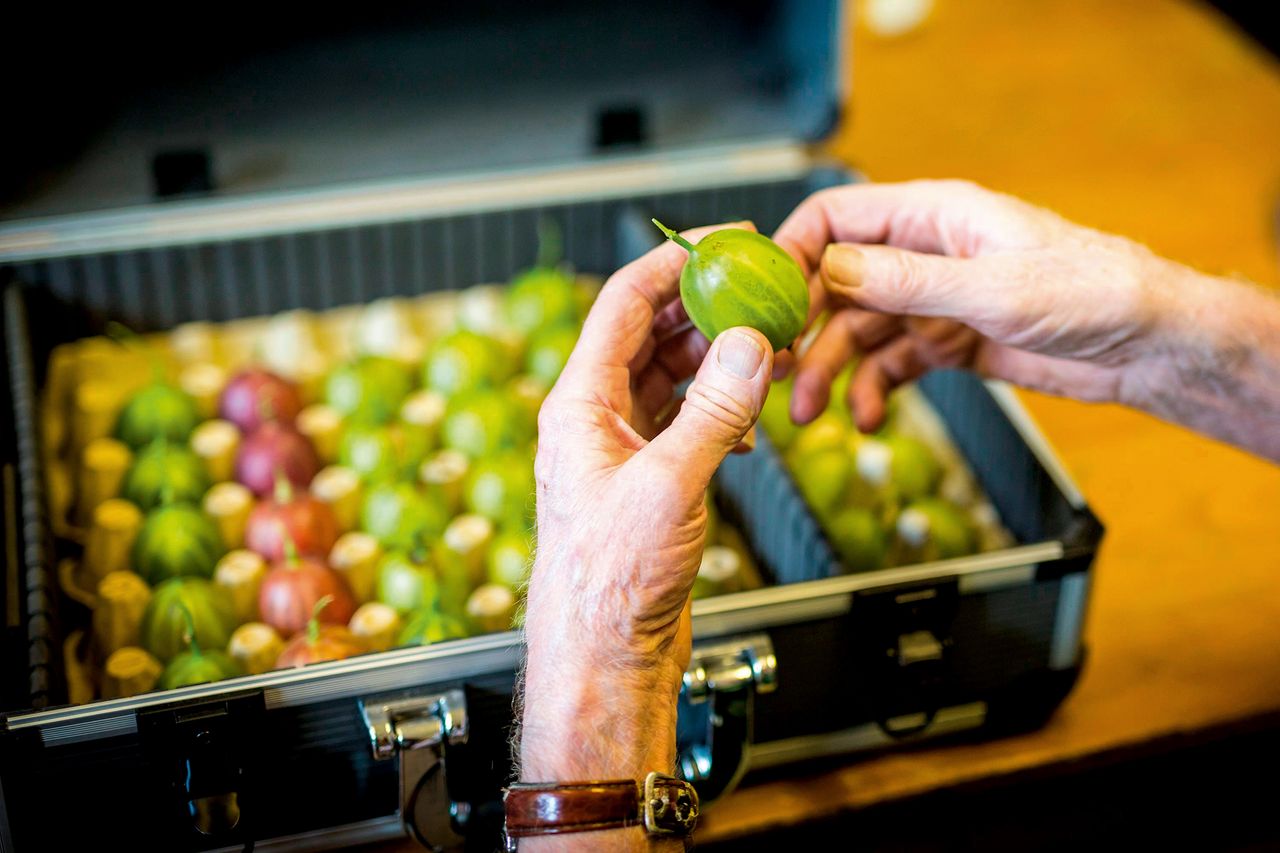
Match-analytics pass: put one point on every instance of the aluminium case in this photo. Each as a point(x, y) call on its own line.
point(819, 664)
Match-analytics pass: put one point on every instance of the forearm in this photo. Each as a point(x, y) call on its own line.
point(578, 725)
point(1215, 365)
point(586, 717)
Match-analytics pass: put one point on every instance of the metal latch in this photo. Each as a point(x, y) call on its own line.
point(205, 753)
point(903, 645)
point(421, 730)
point(717, 709)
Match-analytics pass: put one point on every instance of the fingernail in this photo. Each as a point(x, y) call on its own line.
point(750, 438)
point(842, 264)
point(740, 354)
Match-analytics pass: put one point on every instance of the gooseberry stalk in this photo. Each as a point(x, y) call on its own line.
point(283, 491)
point(189, 635)
point(673, 236)
point(290, 547)
point(313, 624)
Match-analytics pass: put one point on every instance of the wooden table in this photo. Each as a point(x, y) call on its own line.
point(1160, 121)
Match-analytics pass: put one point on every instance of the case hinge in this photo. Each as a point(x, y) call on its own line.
point(421, 730)
point(717, 709)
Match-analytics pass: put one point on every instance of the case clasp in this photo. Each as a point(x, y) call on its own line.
point(717, 709)
point(421, 730)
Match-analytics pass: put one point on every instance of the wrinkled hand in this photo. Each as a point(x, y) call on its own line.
point(622, 475)
point(947, 274)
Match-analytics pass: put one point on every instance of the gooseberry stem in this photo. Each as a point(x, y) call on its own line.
point(283, 489)
point(673, 236)
point(189, 635)
point(313, 624)
point(290, 547)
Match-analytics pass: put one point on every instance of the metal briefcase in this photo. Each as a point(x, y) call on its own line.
point(817, 663)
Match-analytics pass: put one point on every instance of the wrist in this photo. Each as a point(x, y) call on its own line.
point(582, 722)
point(1214, 361)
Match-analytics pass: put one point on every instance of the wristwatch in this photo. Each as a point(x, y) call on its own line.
point(665, 806)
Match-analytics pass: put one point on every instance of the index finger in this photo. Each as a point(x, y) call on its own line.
point(947, 217)
point(622, 317)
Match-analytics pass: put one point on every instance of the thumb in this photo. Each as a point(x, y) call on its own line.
point(897, 281)
point(720, 406)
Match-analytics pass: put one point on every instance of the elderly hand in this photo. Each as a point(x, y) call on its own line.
point(622, 477)
point(947, 274)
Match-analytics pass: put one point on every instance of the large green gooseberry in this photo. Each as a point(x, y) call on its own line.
point(735, 277)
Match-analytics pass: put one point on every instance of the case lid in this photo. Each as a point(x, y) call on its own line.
point(468, 87)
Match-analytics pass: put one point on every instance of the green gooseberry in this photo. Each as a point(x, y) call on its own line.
point(540, 298)
point(388, 452)
point(509, 559)
point(913, 470)
point(464, 361)
point(823, 478)
point(186, 609)
point(158, 411)
point(859, 539)
point(549, 351)
point(399, 515)
point(936, 529)
point(369, 389)
point(775, 417)
point(407, 583)
point(165, 472)
point(735, 277)
point(480, 423)
point(195, 665)
point(176, 540)
point(428, 625)
point(501, 488)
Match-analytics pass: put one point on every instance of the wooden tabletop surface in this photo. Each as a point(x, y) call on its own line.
point(1154, 119)
point(1160, 121)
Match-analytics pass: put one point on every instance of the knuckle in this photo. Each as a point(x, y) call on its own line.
point(720, 408)
point(549, 418)
point(912, 279)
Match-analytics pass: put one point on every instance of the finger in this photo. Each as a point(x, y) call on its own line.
point(654, 392)
point(846, 334)
point(943, 343)
point(673, 362)
point(623, 315)
point(943, 217)
point(719, 408)
point(879, 373)
point(682, 355)
point(784, 361)
point(896, 281)
point(671, 321)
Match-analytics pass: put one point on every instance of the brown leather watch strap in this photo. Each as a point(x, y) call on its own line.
point(577, 807)
point(663, 805)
